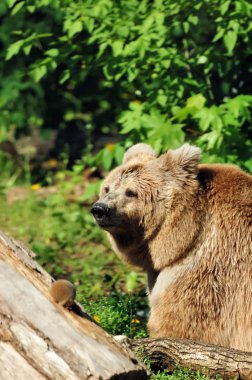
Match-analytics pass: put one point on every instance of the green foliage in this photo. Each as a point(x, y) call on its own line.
point(220, 129)
point(164, 71)
point(118, 314)
point(181, 374)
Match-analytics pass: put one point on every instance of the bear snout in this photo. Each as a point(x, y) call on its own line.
point(100, 212)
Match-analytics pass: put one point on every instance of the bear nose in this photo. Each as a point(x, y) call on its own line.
point(99, 210)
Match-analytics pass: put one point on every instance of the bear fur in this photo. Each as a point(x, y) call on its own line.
point(189, 226)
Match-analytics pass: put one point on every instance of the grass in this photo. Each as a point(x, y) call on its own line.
point(69, 245)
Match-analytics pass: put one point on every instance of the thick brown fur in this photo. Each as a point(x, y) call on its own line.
point(189, 226)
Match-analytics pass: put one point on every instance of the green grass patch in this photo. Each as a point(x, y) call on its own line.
point(181, 374)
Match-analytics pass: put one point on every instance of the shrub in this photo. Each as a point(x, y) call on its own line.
point(160, 71)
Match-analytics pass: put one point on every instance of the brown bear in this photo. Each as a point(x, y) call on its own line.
point(189, 226)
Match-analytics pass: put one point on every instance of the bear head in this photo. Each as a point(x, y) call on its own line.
point(137, 197)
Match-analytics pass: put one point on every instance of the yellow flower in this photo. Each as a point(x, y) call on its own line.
point(97, 318)
point(110, 147)
point(35, 186)
point(51, 164)
point(136, 101)
point(135, 321)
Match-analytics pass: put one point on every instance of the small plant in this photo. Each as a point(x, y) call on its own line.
point(120, 313)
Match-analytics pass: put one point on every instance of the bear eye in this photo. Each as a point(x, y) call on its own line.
point(130, 193)
point(106, 189)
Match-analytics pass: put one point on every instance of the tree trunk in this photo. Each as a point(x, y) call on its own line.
point(41, 340)
point(209, 359)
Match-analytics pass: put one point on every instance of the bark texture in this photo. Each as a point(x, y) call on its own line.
point(209, 359)
point(42, 340)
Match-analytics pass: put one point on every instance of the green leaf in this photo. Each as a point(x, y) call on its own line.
point(213, 139)
point(153, 120)
point(230, 41)
point(102, 49)
point(166, 63)
point(39, 72)
point(243, 7)
point(109, 72)
point(14, 49)
point(17, 8)
point(27, 49)
point(248, 164)
point(10, 3)
point(162, 99)
point(132, 120)
point(75, 28)
point(171, 135)
point(53, 64)
point(132, 73)
point(191, 81)
point(224, 7)
point(233, 24)
point(31, 8)
point(193, 19)
point(193, 105)
point(186, 26)
point(118, 153)
point(206, 117)
point(44, 35)
point(107, 159)
point(132, 47)
point(117, 48)
point(127, 128)
point(202, 60)
point(198, 101)
point(65, 76)
point(219, 35)
point(52, 52)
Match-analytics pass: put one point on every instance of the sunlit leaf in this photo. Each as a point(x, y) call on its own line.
point(27, 49)
point(39, 72)
point(117, 47)
point(65, 76)
point(52, 52)
point(14, 49)
point(230, 39)
point(75, 28)
point(224, 7)
point(17, 7)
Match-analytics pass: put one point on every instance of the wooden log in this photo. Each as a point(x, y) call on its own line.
point(167, 354)
point(40, 339)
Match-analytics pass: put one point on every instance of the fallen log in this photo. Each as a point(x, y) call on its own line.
point(40, 339)
point(167, 354)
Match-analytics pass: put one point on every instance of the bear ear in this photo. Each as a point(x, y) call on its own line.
point(141, 152)
point(186, 157)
